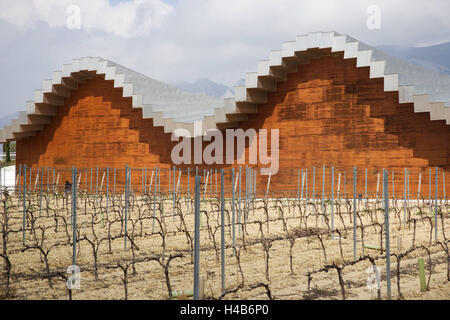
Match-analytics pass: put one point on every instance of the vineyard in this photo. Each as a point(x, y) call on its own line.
point(140, 245)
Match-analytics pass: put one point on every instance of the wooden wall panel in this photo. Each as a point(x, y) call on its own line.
point(328, 112)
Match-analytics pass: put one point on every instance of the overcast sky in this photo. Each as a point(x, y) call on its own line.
point(185, 40)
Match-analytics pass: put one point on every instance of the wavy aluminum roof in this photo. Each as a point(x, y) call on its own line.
point(174, 108)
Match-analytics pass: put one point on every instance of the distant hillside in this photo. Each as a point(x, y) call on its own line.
point(206, 86)
point(435, 57)
point(6, 120)
point(210, 88)
point(240, 82)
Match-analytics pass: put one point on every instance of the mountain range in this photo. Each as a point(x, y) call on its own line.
point(6, 120)
point(435, 57)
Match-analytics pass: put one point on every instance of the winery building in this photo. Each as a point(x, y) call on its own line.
point(336, 102)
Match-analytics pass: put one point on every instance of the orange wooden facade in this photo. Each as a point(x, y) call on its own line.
point(328, 112)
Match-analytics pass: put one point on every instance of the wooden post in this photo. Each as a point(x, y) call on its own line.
point(386, 224)
point(423, 282)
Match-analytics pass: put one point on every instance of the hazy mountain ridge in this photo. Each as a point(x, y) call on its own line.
point(210, 88)
point(206, 86)
point(6, 120)
point(435, 57)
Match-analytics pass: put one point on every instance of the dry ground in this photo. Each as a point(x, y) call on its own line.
point(51, 228)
